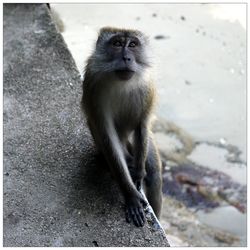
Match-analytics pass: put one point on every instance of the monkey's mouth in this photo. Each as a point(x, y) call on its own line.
point(124, 74)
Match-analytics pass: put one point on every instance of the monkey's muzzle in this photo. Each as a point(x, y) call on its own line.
point(124, 74)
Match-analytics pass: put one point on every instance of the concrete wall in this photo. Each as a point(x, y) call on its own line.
point(57, 192)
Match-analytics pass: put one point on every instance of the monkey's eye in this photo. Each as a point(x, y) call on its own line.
point(132, 44)
point(117, 44)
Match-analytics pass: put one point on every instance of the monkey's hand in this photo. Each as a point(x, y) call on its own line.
point(134, 210)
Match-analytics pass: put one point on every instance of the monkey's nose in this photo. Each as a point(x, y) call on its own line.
point(126, 58)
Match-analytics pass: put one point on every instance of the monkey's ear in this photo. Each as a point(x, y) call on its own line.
point(103, 33)
point(98, 40)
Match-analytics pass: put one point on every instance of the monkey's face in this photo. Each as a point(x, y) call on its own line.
point(123, 51)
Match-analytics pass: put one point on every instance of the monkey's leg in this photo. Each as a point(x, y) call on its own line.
point(130, 159)
point(129, 156)
point(153, 179)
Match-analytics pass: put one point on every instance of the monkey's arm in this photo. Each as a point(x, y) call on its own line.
point(108, 141)
point(141, 149)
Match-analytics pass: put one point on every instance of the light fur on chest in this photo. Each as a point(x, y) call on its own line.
point(121, 97)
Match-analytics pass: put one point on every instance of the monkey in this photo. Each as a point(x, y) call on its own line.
point(118, 99)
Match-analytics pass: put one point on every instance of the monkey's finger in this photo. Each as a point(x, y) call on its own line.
point(134, 217)
point(141, 212)
point(142, 215)
point(139, 218)
point(135, 220)
point(127, 215)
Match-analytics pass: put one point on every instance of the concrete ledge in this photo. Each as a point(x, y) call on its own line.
point(57, 191)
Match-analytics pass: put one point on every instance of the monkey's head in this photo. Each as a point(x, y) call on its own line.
point(120, 52)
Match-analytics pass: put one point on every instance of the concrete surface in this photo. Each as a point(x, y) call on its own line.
point(56, 191)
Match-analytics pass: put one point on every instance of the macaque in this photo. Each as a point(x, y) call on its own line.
point(118, 98)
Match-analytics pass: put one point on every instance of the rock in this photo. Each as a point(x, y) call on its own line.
point(187, 82)
point(227, 238)
point(160, 37)
point(197, 186)
point(173, 142)
point(185, 229)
